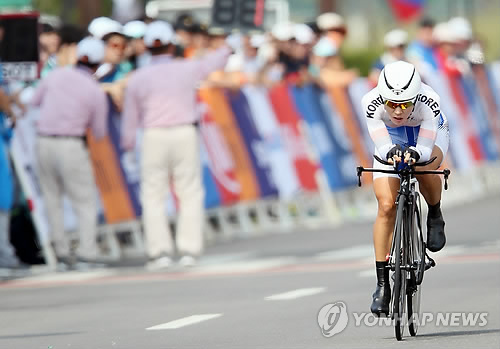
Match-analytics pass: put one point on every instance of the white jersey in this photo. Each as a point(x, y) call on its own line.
point(419, 130)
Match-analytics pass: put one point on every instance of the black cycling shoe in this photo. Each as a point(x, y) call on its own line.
point(381, 300)
point(382, 294)
point(436, 238)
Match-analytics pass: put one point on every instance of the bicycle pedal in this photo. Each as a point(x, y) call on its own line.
point(429, 264)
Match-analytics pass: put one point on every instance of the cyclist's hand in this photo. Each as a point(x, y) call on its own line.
point(411, 155)
point(395, 154)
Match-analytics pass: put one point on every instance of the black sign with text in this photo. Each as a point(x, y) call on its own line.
point(19, 46)
point(243, 15)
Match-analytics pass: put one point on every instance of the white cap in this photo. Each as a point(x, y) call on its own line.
point(461, 27)
point(90, 50)
point(442, 33)
point(329, 21)
point(235, 63)
point(102, 26)
point(135, 29)
point(257, 40)
point(266, 52)
point(325, 47)
point(395, 38)
point(97, 26)
point(158, 30)
point(235, 41)
point(282, 31)
point(303, 33)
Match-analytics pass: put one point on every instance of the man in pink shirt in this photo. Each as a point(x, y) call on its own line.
point(71, 101)
point(161, 98)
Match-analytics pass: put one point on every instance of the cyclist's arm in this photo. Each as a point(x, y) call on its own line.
point(426, 138)
point(427, 134)
point(376, 126)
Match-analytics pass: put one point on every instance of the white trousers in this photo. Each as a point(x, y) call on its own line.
point(7, 254)
point(64, 167)
point(172, 155)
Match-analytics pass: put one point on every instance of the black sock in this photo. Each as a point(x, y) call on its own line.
point(435, 210)
point(382, 272)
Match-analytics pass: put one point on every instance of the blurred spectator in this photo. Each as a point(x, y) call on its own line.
point(217, 37)
point(333, 27)
point(463, 34)
point(66, 52)
point(8, 258)
point(420, 51)
point(467, 47)
point(245, 66)
point(326, 65)
point(184, 26)
point(137, 52)
point(272, 71)
point(293, 54)
point(115, 66)
point(395, 43)
point(71, 102)
point(161, 98)
point(253, 63)
point(199, 41)
point(113, 72)
point(447, 49)
point(231, 76)
point(49, 40)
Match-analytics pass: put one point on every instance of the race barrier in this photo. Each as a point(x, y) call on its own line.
point(278, 159)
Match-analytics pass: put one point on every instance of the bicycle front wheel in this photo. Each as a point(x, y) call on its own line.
point(398, 254)
point(417, 259)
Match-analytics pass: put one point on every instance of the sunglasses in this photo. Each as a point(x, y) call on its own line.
point(403, 105)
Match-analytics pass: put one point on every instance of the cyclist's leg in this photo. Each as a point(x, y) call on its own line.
point(386, 190)
point(385, 187)
point(430, 185)
point(431, 188)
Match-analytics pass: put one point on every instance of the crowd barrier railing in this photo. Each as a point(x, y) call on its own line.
point(276, 159)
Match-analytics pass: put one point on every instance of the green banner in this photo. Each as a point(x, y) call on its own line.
point(14, 4)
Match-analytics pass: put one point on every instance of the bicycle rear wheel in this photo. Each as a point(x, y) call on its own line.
point(398, 254)
point(417, 259)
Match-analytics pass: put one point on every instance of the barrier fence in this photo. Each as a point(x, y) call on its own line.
point(275, 159)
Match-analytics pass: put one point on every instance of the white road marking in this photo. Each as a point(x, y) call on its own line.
point(190, 320)
point(302, 292)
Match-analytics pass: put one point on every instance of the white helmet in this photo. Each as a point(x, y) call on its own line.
point(399, 82)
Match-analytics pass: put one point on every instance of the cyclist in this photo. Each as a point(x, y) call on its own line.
point(404, 119)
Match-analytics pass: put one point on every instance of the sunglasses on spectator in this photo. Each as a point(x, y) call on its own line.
point(340, 30)
point(403, 105)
